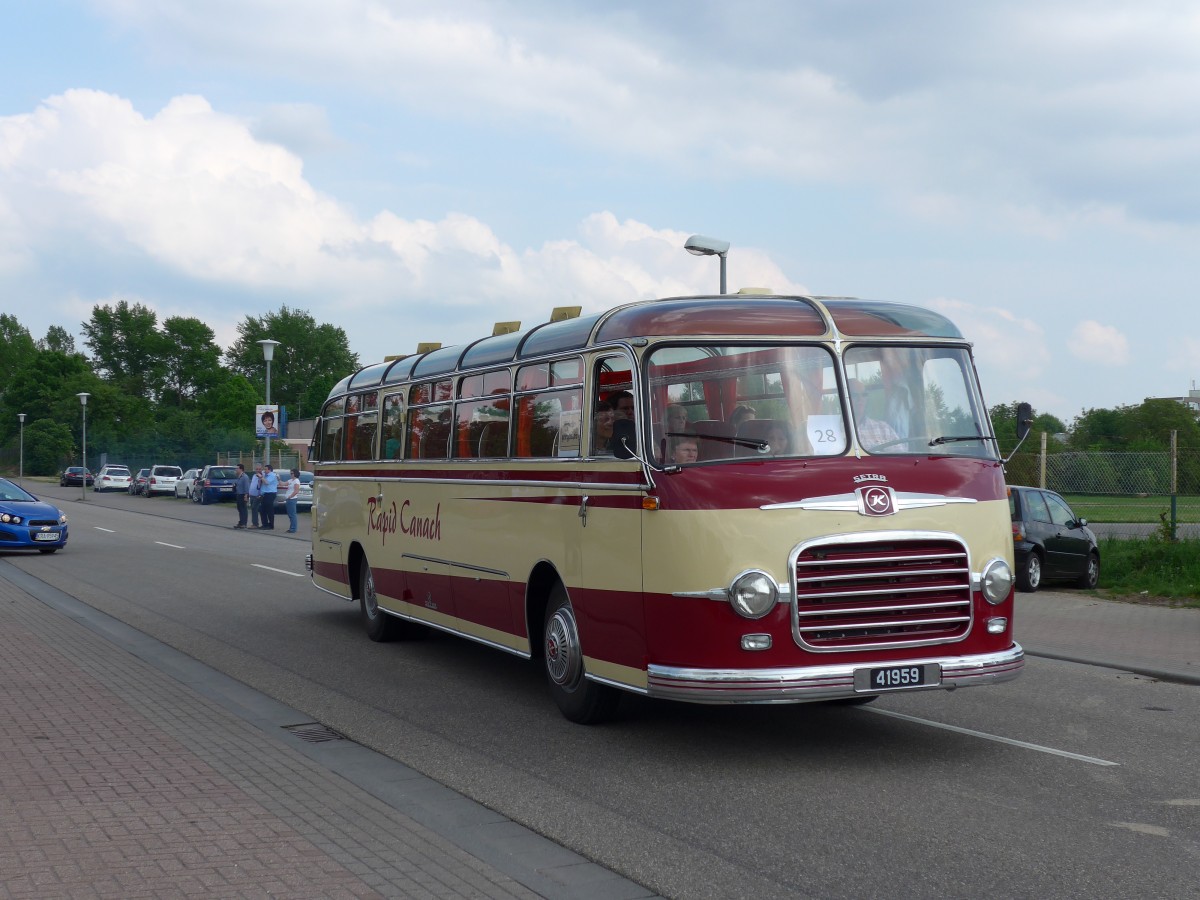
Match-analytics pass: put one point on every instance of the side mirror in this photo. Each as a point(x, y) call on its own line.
point(1024, 420)
point(624, 439)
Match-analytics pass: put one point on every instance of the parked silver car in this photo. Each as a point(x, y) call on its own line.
point(183, 486)
point(162, 480)
point(305, 498)
point(112, 478)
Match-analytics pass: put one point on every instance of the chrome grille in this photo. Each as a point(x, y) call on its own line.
point(872, 591)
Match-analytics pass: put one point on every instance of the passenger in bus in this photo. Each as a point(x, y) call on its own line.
point(741, 414)
point(602, 428)
point(779, 442)
point(622, 402)
point(676, 419)
point(684, 450)
point(872, 433)
point(675, 422)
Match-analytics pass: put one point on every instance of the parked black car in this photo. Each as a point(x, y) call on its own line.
point(76, 475)
point(1051, 543)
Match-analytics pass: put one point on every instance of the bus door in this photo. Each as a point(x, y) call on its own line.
point(608, 530)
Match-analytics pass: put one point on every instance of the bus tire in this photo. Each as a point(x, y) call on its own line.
point(380, 626)
point(579, 699)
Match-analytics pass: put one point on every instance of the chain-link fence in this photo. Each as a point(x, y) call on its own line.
point(1121, 493)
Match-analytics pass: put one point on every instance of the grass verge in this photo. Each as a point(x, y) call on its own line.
point(1151, 570)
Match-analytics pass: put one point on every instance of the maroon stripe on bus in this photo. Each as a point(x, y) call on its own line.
point(457, 471)
point(748, 485)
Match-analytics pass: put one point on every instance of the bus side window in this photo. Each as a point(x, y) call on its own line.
point(331, 440)
point(393, 427)
point(429, 432)
point(542, 420)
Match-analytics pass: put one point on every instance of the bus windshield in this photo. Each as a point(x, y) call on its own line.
point(731, 402)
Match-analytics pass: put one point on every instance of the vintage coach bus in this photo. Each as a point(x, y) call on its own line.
point(726, 499)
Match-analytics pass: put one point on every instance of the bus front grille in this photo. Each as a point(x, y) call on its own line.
point(859, 595)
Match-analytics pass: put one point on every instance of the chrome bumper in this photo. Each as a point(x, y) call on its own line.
point(799, 685)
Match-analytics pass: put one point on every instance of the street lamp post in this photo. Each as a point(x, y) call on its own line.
point(268, 348)
point(83, 398)
point(21, 477)
point(699, 245)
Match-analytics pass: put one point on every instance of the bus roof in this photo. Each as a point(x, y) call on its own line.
point(725, 314)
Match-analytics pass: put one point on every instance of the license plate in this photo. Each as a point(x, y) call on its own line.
point(227, 488)
point(897, 678)
point(47, 536)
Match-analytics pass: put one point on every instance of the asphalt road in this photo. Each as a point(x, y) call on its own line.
point(1069, 782)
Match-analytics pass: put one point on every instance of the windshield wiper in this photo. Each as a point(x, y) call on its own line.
point(950, 439)
point(756, 443)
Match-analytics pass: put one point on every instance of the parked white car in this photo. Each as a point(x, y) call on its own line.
point(183, 487)
point(162, 480)
point(112, 478)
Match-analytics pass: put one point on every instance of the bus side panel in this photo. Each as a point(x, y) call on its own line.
point(608, 599)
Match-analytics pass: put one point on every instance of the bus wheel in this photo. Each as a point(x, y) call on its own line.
point(578, 699)
point(380, 626)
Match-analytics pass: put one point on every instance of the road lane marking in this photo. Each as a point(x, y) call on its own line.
point(165, 544)
point(280, 571)
point(993, 737)
point(109, 530)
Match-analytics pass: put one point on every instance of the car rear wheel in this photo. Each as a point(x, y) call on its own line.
point(579, 699)
point(1029, 577)
point(1091, 574)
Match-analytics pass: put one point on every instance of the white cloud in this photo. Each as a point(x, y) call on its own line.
point(195, 194)
point(1093, 342)
point(1056, 109)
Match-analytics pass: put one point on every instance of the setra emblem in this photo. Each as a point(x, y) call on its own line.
point(876, 501)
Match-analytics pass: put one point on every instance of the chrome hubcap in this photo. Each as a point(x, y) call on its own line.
point(563, 661)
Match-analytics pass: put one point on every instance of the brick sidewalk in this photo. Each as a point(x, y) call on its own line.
point(117, 781)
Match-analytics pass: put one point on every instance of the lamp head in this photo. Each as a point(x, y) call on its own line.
point(21, 416)
point(268, 348)
point(699, 245)
point(83, 397)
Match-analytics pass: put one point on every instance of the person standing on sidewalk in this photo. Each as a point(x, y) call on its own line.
point(290, 498)
point(255, 495)
point(241, 490)
point(266, 502)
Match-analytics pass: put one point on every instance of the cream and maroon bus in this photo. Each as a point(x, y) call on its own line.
point(724, 499)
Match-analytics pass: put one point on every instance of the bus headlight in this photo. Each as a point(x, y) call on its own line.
point(996, 581)
point(753, 594)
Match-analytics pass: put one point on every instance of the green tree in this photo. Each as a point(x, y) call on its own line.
point(49, 447)
point(19, 348)
point(229, 405)
point(308, 362)
point(127, 347)
point(57, 339)
point(191, 360)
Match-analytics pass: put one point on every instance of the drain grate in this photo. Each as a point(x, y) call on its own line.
point(314, 732)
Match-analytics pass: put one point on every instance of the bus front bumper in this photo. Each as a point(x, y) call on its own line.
point(830, 682)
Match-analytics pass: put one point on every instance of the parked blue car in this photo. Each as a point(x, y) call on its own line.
point(214, 484)
point(27, 523)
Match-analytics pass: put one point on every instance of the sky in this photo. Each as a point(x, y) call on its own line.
point(415, 171)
